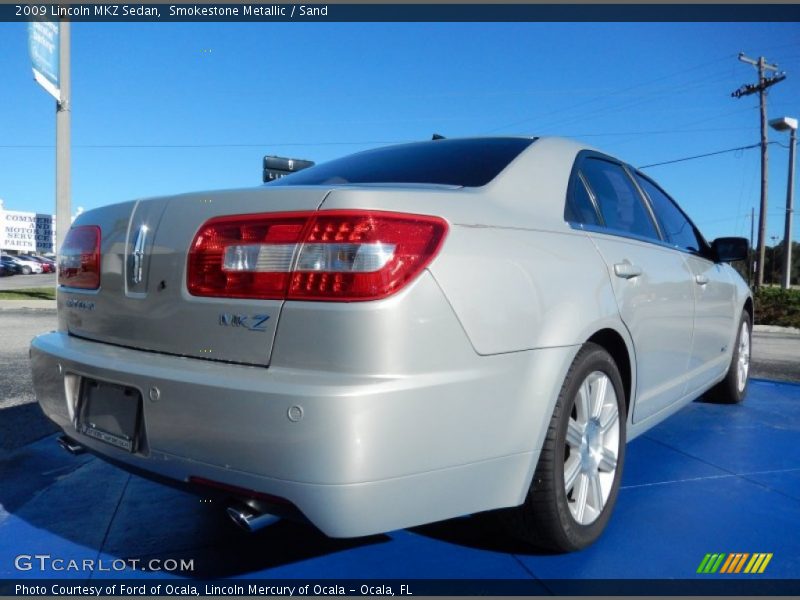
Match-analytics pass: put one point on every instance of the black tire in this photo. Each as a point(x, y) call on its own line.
point(545, 520)
point(730, 390)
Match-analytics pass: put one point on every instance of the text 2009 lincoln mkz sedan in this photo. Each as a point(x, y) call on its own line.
point(400, 336)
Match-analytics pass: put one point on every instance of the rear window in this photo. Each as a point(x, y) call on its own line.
point(467, 163)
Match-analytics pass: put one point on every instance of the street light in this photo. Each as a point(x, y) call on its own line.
point(790, 125)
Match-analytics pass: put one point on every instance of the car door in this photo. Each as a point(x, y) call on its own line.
point(652, 282)
point(714, 290)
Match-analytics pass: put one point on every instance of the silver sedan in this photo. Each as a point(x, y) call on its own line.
point(396, 337)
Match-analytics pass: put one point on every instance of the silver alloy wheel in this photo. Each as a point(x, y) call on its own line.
point(743, 364)
point(592, 446)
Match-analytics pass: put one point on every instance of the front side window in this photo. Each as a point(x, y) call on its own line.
point(618, 199)
point(678, 230)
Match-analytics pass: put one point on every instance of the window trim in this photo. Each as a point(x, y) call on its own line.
point(705, 250)
point(592, 198)
point(577, 175)
point(648, 205)
point(622, 234)
point(577, 179)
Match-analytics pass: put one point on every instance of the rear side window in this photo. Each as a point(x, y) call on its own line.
point(580, 208)
point(618, 199)
point(467, 163)
point(678, 230)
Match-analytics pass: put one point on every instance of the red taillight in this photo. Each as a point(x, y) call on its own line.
point(218, 241)
point(79, 259)
point(330, 255)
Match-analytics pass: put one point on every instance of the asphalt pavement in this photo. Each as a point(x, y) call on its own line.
point(776, 355)
point(21, 421)
point(20, 282)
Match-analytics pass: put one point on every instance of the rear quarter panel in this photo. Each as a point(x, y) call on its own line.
point(517, 276)
point(518, 289)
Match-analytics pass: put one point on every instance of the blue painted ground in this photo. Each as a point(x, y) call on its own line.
point(710, 479)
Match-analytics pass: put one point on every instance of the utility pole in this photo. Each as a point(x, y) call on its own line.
point(63, 115)
point(787, 236)
point(750, 263)
point(761, 88)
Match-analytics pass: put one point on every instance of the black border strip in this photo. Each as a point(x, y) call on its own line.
point(489, 13)
point(731, 586)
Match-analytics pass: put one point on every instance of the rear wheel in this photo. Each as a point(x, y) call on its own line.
point(26, 270)
point(577, 479)
point(733, 388)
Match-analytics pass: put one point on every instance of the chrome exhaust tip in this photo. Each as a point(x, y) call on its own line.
point(70, 445)
point(248, 518)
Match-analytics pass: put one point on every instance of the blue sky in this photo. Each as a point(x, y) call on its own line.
point(162, 108)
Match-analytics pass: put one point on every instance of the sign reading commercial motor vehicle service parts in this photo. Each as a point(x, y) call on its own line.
point(26, 231)
point(43, 40)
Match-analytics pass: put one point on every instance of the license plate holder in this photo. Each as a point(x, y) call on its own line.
point(110, 413)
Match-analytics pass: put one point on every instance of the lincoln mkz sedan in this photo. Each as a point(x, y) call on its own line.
point(396, 337)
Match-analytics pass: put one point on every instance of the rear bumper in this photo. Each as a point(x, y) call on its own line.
point(370, 454)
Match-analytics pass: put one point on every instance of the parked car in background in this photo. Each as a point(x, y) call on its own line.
point(4, 270)
point(465, 325)
point(14, 267)
point(48, 266)
point(28, 265)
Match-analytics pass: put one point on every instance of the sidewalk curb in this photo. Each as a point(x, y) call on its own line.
point(29, 304)
point(775, 329)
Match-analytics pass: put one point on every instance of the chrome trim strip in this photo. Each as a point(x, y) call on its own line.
point(138, 254)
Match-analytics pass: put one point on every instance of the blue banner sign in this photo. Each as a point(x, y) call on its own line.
point(43, 43)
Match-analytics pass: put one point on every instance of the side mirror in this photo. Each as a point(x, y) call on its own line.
point(729, 249)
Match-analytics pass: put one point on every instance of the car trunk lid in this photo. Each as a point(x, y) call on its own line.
point(143, 301)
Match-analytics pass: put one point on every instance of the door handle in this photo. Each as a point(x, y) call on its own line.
point(626, 270)
point(700, 279)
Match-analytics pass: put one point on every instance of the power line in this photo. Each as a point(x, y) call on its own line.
point(736, 217)
point(647, 99)
point(695, 122)
point(618, 92)
point(677, 160)
point(781, 47)
point(652, 132)
point(350, 143)
point(182, 146)
point(368, 142)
